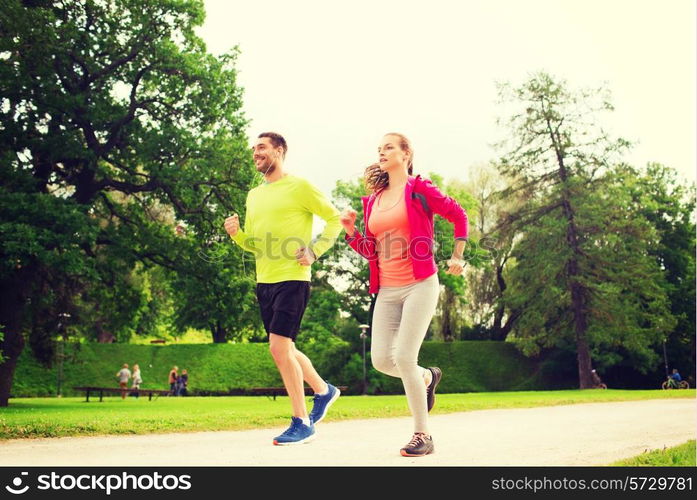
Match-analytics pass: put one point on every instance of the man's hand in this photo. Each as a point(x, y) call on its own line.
point(232, 224)
point(348, 220)
point(455, 266)
point(305, 256)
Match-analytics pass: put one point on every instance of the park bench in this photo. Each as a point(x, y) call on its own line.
point(102, 390)
point(280, 391)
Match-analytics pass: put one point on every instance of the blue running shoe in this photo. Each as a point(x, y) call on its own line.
point(297, 433)
point(321, 403)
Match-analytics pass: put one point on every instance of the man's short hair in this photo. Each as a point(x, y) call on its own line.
point(277, 140)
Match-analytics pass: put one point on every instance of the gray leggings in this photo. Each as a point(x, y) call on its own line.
point(400, 322)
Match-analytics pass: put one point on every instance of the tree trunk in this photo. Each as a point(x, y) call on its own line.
point(499, 332)
point(496, 329)
point(579, 295)
point(446, 320)
point(219, 334)
point(583, 354)
point(11, 310)
point(7, 373)
point(578, 303)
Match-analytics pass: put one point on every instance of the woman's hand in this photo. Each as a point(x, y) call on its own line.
point(455, 266)
point(348, 220)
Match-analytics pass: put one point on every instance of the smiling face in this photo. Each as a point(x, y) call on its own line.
point(266, 156)
point(393, 153)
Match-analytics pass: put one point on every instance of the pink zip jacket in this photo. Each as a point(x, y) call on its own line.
point(423, 199)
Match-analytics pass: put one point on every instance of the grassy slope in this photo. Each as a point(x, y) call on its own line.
point(213, 367)
point(476, 366)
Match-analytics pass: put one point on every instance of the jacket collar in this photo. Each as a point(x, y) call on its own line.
point(412, 181)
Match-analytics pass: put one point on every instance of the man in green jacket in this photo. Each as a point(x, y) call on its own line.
point(278, 231)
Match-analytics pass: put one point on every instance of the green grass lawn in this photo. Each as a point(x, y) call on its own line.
point(53, 417)
point(683, 455)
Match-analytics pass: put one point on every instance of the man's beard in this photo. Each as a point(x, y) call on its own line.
point(266, 168)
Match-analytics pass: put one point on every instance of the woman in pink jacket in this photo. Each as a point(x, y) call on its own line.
point(398, 244)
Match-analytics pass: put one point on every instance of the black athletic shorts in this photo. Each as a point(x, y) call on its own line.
point(282, 306)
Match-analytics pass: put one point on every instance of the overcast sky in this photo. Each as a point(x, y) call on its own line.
point(333, 77)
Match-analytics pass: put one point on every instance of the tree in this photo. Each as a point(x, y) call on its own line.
point(669, 206)
point(486, 285)
point(321, 327)
point(113, 114)
point(215, 291)
point(449, 319)
point(582, 275)
point(346, 270)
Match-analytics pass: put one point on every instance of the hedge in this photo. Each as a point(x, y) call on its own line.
point(469, 366)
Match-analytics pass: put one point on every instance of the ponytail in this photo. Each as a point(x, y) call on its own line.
point(375, 179)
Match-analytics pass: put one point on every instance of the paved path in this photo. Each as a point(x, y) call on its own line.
point(583, 434)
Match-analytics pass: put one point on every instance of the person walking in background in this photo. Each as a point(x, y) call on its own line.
point(124, 374)
point(398, 243)
point(182, 383)
point(137, 380)
point(278, 230)
point(173, 376)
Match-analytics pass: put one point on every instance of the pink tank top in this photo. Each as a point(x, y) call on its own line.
point(390, 225)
